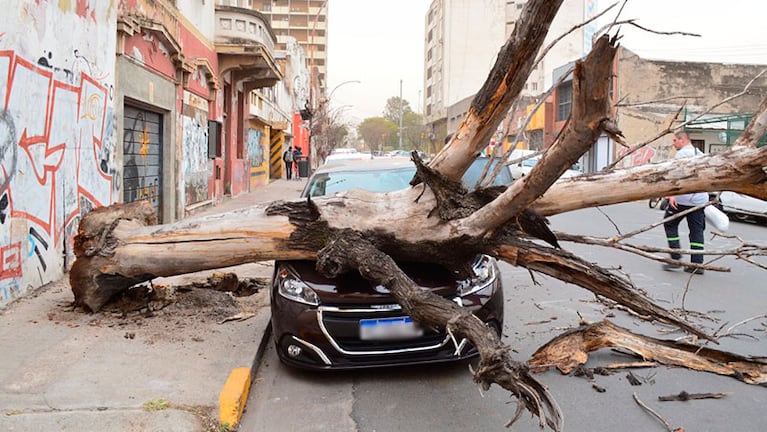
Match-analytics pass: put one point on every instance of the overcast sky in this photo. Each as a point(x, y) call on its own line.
point(380, 43)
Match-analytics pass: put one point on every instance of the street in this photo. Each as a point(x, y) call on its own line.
point(444, 398)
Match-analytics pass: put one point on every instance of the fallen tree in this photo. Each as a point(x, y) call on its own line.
point(437, 219)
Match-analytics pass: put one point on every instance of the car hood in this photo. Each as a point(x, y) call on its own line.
point(352, 288)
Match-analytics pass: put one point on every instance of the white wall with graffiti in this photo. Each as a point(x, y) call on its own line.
point(57, 134)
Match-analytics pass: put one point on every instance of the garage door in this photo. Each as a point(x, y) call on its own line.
point(142, 156)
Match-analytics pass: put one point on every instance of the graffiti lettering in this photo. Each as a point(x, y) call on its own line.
point(10, 261)
point(53, 132)
point(641, 156)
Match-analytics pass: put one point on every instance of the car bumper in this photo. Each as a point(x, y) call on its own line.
point(327, 337)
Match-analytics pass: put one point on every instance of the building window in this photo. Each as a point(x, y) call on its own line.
point(534, 86)
point(564, 100)
point(214, 139)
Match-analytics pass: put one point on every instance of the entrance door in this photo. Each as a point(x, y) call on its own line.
point(142, 157)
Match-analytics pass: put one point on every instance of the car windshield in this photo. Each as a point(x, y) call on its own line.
point(533, 161)
point(371, 180)
point(387, 180)
point(530, 162)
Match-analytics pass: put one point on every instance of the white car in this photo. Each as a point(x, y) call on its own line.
point(345, 154)
point(523, 168)
point(743, 207)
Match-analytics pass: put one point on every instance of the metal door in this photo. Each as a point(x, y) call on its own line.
point(142, 157)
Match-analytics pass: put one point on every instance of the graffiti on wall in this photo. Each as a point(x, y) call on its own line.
point(55, 156)
point(195, 154)
point(256, 150)
point(642, 156)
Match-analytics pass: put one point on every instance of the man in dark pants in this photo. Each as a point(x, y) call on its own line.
point(696, 221)
point(287, 157)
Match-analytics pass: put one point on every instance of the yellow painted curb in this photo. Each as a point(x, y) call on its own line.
point(231, 400)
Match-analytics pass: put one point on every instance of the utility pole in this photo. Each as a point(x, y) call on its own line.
point(400, 114)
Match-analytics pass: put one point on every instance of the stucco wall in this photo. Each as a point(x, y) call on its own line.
point(57, 134)
point(664, 87)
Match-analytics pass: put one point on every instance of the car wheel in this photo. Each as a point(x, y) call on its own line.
point(740, 216)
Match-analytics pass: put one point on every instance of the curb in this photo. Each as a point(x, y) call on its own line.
point(234, 395)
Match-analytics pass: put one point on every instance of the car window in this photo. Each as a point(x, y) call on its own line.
point(372, 180)
point(475, 170)
point(530, 162)
point(387, 180)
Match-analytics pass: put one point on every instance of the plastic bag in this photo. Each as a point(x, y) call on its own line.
point(717, 218)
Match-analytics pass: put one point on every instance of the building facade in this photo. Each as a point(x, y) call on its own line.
point(179, 103)
point(647, 95)
point(305, 22)
point(462, 41)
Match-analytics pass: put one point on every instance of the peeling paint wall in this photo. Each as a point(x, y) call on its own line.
point(57, 133)
point(670, 85)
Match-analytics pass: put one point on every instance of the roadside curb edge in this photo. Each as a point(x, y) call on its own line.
point(234, 395)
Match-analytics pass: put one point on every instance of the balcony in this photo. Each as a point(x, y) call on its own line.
point(266, 111)
point(245, 46)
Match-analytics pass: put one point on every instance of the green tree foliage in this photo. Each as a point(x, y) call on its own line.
point(378, 133)
point(414, 134)
point(391, 109)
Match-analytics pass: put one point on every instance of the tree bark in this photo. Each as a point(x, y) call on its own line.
point(569, 350)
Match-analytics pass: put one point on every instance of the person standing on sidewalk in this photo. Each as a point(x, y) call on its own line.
point(287, 157)
point(696, 221)
point(297, 157)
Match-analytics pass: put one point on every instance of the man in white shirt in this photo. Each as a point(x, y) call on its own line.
point(696, 221)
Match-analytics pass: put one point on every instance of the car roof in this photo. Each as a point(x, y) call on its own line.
point(365, 165)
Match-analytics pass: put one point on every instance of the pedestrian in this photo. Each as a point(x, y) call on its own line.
point(297, 157)
point(287, 157)
point(696, 220)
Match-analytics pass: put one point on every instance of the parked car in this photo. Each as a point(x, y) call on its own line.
point(524, 167)
point(344, 154)
point(743, 207)
point(348, 322)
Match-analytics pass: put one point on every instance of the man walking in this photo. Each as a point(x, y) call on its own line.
point(287, 157)
point(696, 221)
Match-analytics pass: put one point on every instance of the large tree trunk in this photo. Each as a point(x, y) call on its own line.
point(117, 247)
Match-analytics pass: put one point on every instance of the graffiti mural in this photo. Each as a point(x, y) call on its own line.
point(53, 157)
point(142, 152)
point(256, 150)
point(195, 154)
point(642, 156)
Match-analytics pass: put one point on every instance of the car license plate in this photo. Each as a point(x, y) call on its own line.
point(389, 329)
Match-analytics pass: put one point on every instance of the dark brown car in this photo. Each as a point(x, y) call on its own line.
point(348, 322)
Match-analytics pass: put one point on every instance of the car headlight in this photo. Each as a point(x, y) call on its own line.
point(483, 276)
point(296, 290)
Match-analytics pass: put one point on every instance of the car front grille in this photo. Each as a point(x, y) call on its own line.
point(342, 328)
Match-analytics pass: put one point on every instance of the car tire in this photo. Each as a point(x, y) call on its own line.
point(741, 217)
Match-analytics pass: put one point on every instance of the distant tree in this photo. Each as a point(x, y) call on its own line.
point(377, 132)
point(413, 132)
point(392, 107)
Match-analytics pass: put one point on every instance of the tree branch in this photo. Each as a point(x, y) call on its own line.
point(589, 119)
point(504, 83)
point(567, 351)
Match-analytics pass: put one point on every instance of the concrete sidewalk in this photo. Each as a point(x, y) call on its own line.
point(158, 367)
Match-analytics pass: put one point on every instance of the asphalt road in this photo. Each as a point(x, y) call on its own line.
point(443, 398)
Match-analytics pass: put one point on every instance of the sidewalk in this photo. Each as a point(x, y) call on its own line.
point(158, 366)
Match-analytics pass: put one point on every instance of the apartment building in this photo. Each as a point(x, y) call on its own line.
point(306, 21)
point(462, 41)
